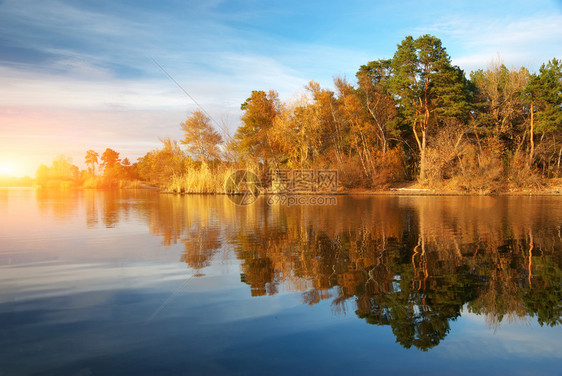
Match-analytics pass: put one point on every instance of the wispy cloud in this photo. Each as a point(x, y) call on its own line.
point(524, 338)
point(74, 91)
point(527, 41)
point(61, 58)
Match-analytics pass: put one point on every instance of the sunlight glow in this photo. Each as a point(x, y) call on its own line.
point(7, 168)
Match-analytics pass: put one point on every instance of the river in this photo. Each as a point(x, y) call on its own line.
point(137, 282)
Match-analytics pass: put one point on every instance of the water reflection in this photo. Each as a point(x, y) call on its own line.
point(411, 263)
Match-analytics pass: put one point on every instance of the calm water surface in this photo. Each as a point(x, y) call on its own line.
point(98, 283)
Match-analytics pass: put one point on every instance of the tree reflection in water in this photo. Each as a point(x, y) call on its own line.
point(412, 263)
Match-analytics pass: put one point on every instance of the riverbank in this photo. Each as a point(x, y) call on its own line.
point(401, 191)
point(551, 187)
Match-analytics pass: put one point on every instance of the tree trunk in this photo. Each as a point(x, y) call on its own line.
point(338, 141)
point(530, 263)
point(423, 163)
point(531, 136)
point(381, 130)
point(425, 124)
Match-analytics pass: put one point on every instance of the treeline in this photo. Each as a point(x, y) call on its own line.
point(10, 181)
point(413, 117)
point(416, 116)
point(107, 171)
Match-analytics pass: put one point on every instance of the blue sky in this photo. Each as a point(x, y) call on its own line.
point(79, 75)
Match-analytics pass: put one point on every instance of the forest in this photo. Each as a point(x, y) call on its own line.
point(412, 119)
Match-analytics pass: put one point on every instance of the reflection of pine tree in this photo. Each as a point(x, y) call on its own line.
point(412, 267)
point(418, 311)
point(544, 300)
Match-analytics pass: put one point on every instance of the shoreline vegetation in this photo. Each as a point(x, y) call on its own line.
point(411, 124)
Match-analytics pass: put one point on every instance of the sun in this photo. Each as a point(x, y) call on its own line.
point(7, 168)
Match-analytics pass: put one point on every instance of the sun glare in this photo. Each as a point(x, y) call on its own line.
point(7, 169)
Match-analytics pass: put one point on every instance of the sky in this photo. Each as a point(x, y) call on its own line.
point(93, 74)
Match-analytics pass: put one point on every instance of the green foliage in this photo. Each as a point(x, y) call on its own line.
point(545, 91)
point(427, 86)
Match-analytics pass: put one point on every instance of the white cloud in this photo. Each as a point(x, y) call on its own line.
point(524, 338)
point(528, 41)
point(60, 17)
point(98, 62)
point(39, 90)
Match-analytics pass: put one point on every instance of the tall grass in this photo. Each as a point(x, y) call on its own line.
point(200, 179)
point(102, 182)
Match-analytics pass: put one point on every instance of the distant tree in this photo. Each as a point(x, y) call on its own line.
point(201, 139)
point(110, 162)
point(63, 169)
point(42, 175)
point(160, 165)
point(61, 173)
point(91, 160)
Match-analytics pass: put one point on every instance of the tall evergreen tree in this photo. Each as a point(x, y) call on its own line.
point(544, 94)
point(428, 88)
point(91, 160)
